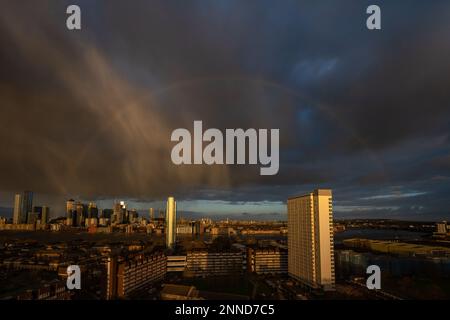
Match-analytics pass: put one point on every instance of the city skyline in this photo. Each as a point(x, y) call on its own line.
point(121, 255)
point(218, 209)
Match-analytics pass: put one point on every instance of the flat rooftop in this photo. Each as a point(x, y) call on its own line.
point(320, 192)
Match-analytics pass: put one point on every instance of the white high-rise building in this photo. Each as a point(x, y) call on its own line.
point(171, 222)
point(310, 239)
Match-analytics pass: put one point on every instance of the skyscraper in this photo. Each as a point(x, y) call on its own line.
point(80, 214)
point(38, 210)
point(92, 210)
point(32, 218)
point(310, 239)
point(45, 214)
point(118, 212)
point(16, 214)
point(171, 222)
point(70, 209)
point(107, 213)
point(36, 215)
point(26, 205)
point(23, 204)
point(151, 214)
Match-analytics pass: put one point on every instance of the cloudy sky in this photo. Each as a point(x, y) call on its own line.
point(88, 114)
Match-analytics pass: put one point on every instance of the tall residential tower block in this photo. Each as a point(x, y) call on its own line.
point(171, 222)
point(310, 239)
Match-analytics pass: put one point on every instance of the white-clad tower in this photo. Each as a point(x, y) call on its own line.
point(171, 222)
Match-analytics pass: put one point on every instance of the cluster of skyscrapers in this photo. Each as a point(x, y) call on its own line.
point(24, 211)
point(79, 214)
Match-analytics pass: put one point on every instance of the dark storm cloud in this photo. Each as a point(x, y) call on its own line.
point(90, 112)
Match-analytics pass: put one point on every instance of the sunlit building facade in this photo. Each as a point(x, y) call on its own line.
point(126, 276)
point(171, 222)
point(202, 263)
point(269, 260)
point(310, 239)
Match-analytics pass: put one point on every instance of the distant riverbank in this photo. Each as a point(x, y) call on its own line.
point(379, 234)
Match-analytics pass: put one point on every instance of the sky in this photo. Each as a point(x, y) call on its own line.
point(88, 114)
